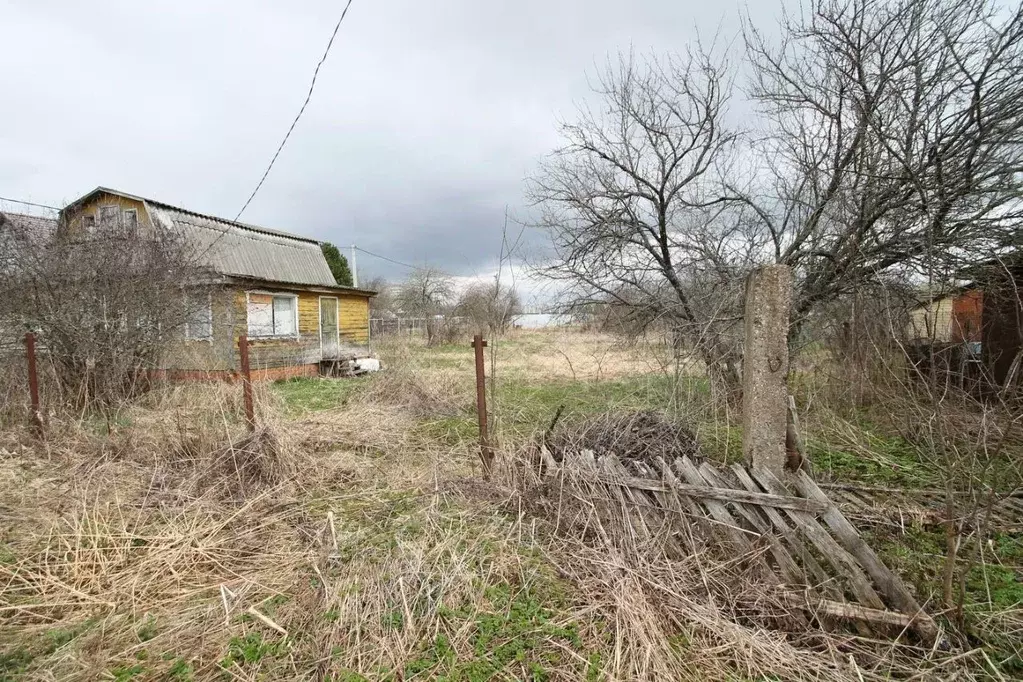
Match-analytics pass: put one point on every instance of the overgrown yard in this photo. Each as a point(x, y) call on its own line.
point(353, 538)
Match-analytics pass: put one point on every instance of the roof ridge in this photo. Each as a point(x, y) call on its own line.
point(208, 216)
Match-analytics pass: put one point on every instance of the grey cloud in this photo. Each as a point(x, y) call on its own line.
point(425, 120)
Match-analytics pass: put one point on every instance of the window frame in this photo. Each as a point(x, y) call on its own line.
point(124, 214)
point(188, 322)
point(117, 214)
point(272, 294)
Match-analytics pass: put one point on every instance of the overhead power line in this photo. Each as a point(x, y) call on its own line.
point(308, 96)
point(29, 203)
point(389, 260)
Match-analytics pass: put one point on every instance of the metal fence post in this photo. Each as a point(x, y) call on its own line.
point(486, 452)
point(33, 381)
point(250, 411)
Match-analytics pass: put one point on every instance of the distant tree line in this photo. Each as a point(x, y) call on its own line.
point(448, 313)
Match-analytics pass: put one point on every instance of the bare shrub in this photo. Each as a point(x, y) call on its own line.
point(488, 307)
point(105, 302)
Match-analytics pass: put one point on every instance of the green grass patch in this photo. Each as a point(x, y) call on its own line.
point(304, 394)
point(892, 461)
point(515, 634)
point(250, 650)
point(524, 405)
point(993, 586)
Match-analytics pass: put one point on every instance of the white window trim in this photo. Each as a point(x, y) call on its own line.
point(209, 307)
point(278, 294)
point(125, 212)
point(319, 319)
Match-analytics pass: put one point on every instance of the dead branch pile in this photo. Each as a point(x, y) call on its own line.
point(631, 436)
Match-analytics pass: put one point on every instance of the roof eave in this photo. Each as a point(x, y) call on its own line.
point(241, 279)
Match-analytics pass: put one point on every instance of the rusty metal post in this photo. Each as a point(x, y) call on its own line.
point(250, 411)
point(486, 452)
point(33, 381)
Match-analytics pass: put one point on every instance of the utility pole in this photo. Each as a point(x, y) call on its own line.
point(355, 269)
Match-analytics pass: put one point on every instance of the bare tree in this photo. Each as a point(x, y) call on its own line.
point(381, 305)
point(891, 140)
point(488, 307)
point(425, 293)
point(623, 198)
point(888, 146)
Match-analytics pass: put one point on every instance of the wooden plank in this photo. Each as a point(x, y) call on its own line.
point(722, 494)
point(665, 501)
point(810, 563)
point(891, 585)
point(841, 560)
point(847, 611)
point(790, 571)
point(642, 512)
point(684, 467)
point(669, 476)
point(630, 512)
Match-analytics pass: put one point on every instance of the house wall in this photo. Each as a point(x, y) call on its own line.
point(269, 358)
point(92, 207)
point(273, 353)
point(1003, 325)
point(967, 317)
point(354, 316)
point(932, 321)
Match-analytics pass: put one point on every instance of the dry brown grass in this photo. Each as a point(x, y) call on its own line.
point(156, 542)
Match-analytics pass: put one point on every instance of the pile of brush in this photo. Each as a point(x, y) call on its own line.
point(630, 436)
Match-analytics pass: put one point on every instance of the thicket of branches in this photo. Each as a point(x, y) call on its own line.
point(885, 146)
point(105, 304)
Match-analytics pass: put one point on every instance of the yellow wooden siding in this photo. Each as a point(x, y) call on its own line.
point(92, 208)
point(308, 314)
point(932, 321)
point(354, 316)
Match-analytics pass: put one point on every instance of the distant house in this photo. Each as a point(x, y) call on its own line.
point(273, 286)
point(979, 324)
point(956, 317)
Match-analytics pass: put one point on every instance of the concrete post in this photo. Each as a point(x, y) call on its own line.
point(765, 366)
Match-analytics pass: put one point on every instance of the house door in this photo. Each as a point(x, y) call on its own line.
point(330, 342)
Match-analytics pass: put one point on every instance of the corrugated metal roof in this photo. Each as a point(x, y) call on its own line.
point(238, 249)
point(33, 225)
point(242, 251)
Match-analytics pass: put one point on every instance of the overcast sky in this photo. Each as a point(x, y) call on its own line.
point(425, 120)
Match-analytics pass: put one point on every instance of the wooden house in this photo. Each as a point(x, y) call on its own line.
point(273, 286)
point(975, 332)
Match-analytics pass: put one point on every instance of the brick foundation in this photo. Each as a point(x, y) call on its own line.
point(230, 375)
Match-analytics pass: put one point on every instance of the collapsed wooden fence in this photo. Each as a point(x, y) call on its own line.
point(808, 549)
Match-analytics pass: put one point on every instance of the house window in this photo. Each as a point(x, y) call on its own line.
point(272, 314)
point(108, 215)
point(88, 222)
point(130, 218)
point(198, 318)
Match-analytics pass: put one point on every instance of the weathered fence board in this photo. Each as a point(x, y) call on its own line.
point(786, 526)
